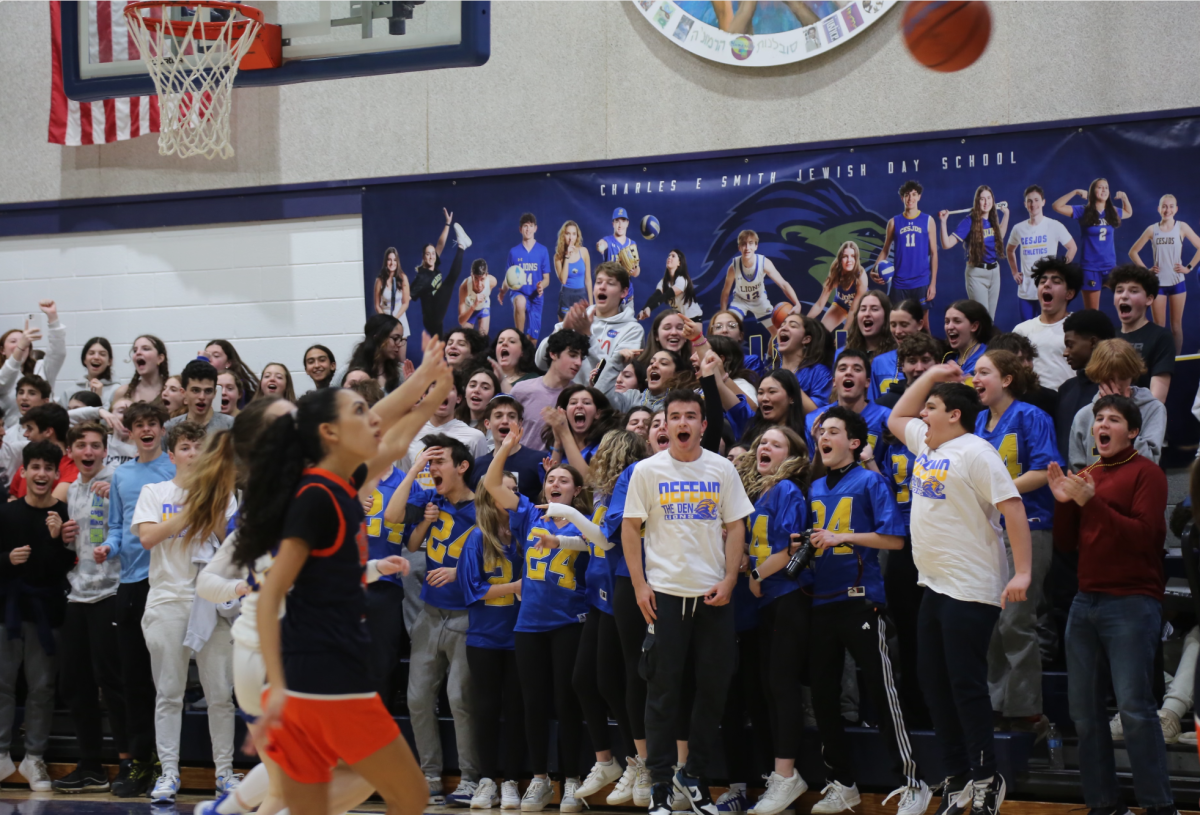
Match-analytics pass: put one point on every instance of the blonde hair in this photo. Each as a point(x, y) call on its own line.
point(795, 468)
point(560, 251)
point(618, 449)
point(289, 393)
point(1114, 360)
point(209, 484)
point(491, 520)
point(843, 277)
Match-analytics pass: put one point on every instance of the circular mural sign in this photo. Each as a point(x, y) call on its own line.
point(767, 32)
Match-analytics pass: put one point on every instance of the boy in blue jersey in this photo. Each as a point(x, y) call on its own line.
point(439, 639)
point(534, 260)
point(854, 516)
point(612, 247)
point(850, 383)
point(916, 260)
point(385, 596)
point(145, 422)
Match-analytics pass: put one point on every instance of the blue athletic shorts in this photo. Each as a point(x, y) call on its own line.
point(1178, 288)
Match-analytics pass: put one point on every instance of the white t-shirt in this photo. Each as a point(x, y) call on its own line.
point(1034, 243)
point(685, 505)
point(955, 523)
point(1050, 366)
point(456, 429)
point(172, 572)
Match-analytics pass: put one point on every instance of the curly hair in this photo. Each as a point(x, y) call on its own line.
point(1024, 380)
point(618, 449)
point(795, 468)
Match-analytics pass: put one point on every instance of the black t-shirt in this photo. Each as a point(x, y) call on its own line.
point(1073, 395)
point(1043, 398)
point(43, 578)
point(325, 641)
point(526, 463)
point(1157, 347)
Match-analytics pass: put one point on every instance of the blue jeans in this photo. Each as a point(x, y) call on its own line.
point(1128, 630)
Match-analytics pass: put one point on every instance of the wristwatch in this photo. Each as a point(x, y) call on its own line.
point(754, 574)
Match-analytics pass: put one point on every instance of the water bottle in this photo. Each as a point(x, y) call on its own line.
point(1055, 744)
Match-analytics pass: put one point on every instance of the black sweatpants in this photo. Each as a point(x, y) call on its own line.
point(599, 681)
point(784, 625)
point(434, 289)
point(496, 698)
point(904, 605)
point(136, 676)
point(631, 630)
point(548, 658)
point(91, 665)
point(684, 623)
point(747, 751)
point(954, 636)
point(389, 637)
point(861, 628)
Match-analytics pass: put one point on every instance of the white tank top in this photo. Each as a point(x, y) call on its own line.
point(479, 300)
point(1168, 250)
point(748, 287)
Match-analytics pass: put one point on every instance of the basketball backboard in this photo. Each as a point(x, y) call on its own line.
point(321, 40)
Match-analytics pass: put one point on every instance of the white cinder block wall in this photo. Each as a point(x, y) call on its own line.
point(272, 289)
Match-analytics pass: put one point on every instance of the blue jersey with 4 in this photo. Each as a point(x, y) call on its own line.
point(535, 262)
point(446, 538)
point(385, 539)
point(912, 251)
point(1024, 437)
point(553, 588)
point(777, 514)
point(490, 622)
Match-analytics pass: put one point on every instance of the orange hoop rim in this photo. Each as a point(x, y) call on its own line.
point(202, 31)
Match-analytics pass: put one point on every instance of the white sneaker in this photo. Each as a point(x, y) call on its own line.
point(462, 795)
point(1170, 726)
point(837, 799)
point(780, 794)
point(460, 235)
point(437, 794)
point(34, 770)
point(642, 785)
point(571, 800)
point(486, 795)
point(228, 783)
point(537, 795)
point(913, 800)
point(7, 767)
point(623, 792)
point(164, 789)
point(510, 795)
point(1116, 728)
point(601, 776)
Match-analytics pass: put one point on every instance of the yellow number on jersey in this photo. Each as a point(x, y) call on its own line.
point(1008, 452)
point(900, 475)
point(838, 522)
point(598, 519)
point(760, 545)
point(437, 548)
point(562, 563)
point(505, 576)
point(376, 525)
point(886, 384)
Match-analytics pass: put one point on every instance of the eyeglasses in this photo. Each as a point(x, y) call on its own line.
point(399, 339)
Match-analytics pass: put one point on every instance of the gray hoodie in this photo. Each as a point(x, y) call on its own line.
point(1148, 442)
point(610, 336)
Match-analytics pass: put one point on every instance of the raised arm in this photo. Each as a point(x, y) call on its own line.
point(401, 401)
point(493, 479)
point(948, 240)
point(912, 401)
point(1004, 213)
point(397, 505)
point(1126, 207)
point(1063, 206)
point(398, 438)
point(441, 241)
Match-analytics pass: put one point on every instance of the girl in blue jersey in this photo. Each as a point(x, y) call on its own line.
point(968, 330)
point(489, 575)
point(576, 424)
point(775, 474)
point(301, 496)
point(1098, 219)
point(981, 231)
point(846, 283)
point(573, 266)
point(1024, 436)
point(804, 348)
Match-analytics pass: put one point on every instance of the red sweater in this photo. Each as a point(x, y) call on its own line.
point(1120, 533)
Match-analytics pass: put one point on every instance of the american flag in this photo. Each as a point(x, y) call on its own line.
point(75, 123)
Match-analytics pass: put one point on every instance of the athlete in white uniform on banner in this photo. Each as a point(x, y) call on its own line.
point(475, 298)
point(747, 279)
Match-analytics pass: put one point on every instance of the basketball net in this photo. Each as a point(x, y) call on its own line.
point(193, 66)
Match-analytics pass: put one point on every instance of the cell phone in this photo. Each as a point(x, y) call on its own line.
point(600, 369)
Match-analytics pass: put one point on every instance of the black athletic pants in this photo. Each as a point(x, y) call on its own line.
point(904, 604)
point(682, 624)
point(91, 665)
point(434, 290)
point(136, 676)
point(389, 638)
point(862, 628)
point(496, 697)
point(631, 629)
point(557, 651)
point(747, 751)
point(952, 652)
point(784, 629)
point(599, 681)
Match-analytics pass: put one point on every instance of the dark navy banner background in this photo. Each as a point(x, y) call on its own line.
point(802, 203)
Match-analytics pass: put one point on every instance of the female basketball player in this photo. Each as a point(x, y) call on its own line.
point(1168, 236)
point(675, 289)
point(804, 349)
point(475, 298)
point(968, 330)
point(391, 289)
point(150, 370)
point(846, 283)
point(573, 265)
point(982, 231)
point(1097, 220)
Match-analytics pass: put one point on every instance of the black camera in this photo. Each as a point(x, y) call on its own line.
point(804, 555)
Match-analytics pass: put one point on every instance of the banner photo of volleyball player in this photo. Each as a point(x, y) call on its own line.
point(803, 205)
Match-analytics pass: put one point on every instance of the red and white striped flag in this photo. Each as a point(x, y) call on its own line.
point(75, 123)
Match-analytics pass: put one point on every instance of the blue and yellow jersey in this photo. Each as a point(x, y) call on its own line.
point(861, 501)
point(384, 539)
point(896, 464)
point(553, 586)
point(968, 367)
point(615, 514)
point(490, 622)
point(1025, 439)
point(777, 514)
point(447, 536)
point(885, 372)
point(602, 565)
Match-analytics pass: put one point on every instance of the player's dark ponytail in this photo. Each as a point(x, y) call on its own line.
point(288, 445)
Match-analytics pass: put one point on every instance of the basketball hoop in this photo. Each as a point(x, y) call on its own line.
point(193, 64)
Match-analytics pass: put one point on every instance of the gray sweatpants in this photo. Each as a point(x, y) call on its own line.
point(983, 286)
point(1014, 657)
point(439, 649)
point(40, 672)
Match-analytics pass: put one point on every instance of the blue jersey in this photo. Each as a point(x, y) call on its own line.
point(912, 251)
point(602, 565)
point(963, 231)
point(534, 262)
point(612, 252)
point(616, 514)
point(885, 371)
point(446, 538)
point(1098, 249)
point(553, 588)
point(384, 539)
point(816, 380)
point(575, 274)
point(874, 415)
point(490, 623)
point(896, 464)
point(777, 514)
point(968, 367)
point(845, 297)
point(861, 501)
point(1025, 439)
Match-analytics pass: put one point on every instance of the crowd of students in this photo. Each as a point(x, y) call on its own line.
point(658, 528)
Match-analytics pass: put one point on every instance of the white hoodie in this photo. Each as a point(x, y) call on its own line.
point(610, 336)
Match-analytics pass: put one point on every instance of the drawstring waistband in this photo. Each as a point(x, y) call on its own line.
point(683, 608)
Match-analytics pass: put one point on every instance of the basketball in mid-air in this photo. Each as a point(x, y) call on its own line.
point(780, 313)
point(946, 36)
point(650, 227)
point(514, 278)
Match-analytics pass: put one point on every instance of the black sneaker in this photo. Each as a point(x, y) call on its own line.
point(695, 792)
point(1123, 810)
point(660, 799)
point(83, 779)
point(988, 796)
point(135, 780)
point(952, 790)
